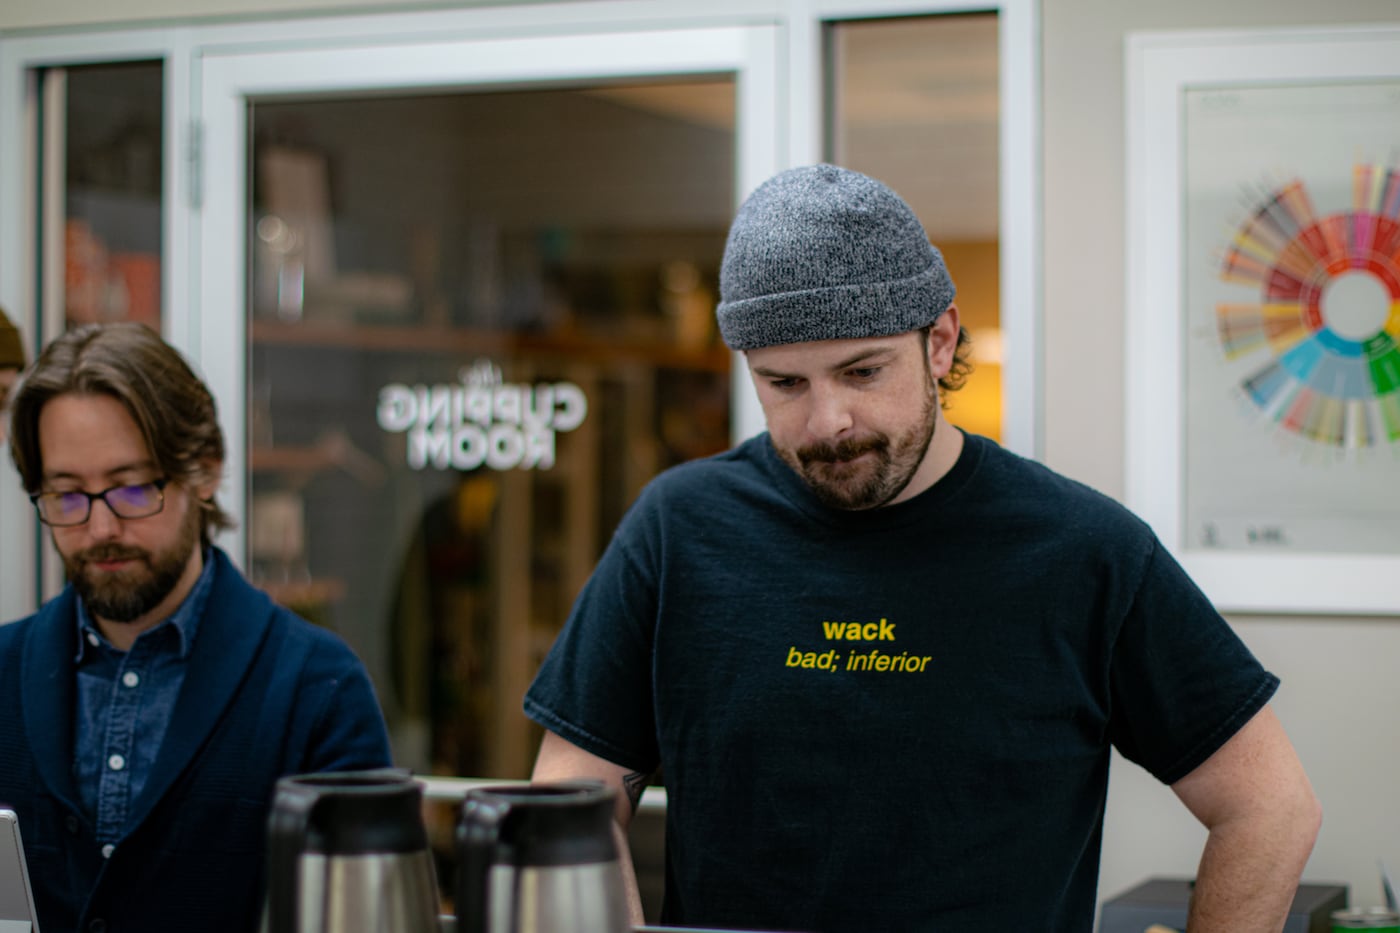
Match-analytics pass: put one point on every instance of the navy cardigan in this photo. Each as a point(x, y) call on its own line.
point(267, 694)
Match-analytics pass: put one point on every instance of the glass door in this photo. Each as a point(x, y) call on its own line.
point(472, 338)
point(457, 304)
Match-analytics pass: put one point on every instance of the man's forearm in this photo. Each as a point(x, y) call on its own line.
point(1262, 818)
point(630, 886)
point(1249, 872)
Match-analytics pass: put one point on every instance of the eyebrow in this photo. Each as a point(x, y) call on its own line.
point(136, 467)
point(862, 357)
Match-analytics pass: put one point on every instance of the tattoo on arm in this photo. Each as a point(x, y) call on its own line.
point(634, 783)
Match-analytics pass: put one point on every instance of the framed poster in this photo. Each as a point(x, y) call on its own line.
point(1263, 316)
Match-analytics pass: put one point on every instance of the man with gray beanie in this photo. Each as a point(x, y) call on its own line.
point(881, 664)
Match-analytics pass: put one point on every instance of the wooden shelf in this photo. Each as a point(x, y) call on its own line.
point(462, 341)
point(333, 450)
point(290, 459)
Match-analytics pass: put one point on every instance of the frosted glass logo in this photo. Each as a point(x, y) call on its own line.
point(481, 420)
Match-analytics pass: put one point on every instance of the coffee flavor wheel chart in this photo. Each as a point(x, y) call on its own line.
point(1327, 320)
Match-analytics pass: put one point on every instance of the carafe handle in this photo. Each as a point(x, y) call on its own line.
point(286, 839)
point(478, 833)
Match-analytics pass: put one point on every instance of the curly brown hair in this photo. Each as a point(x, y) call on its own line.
point(957, 374)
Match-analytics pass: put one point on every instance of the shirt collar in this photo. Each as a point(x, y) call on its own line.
point(184, 620)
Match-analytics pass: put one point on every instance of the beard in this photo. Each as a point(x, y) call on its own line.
point(128, 594)
point(840, 484)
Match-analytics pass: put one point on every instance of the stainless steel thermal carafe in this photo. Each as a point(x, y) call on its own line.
point(348, 853)
point(539, 858)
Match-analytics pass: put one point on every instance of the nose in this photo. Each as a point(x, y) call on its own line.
point(830, 414)
point(102, 522)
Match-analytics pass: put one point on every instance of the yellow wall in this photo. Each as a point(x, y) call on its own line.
point(976, 272)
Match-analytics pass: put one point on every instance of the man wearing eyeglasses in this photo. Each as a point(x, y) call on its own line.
point(150, 707)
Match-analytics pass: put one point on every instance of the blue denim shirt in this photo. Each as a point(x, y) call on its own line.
point(125, 700)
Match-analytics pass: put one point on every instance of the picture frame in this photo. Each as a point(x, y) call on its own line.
point(1262, 382)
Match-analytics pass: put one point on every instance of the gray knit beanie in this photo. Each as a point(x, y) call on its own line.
point(825, 253)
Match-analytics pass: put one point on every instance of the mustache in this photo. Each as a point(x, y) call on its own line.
point(111, 552)
point(848, 449)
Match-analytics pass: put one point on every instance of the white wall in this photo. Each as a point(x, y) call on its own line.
point(1340, 694)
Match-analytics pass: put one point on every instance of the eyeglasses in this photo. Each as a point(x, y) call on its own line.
point(61, 509)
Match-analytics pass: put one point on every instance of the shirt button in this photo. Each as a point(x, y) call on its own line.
point(131, 678)
point(116, 762)
point(107, 850)
point(71, 824)
point(92, 640)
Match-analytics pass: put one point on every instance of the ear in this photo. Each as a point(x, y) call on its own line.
point(943, 341)
point(211, 475)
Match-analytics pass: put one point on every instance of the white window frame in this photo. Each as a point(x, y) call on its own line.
point(228, 81)
point(793, 92)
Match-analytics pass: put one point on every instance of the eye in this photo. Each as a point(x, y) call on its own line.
point(138, 496)
point(65, 505)
point(70, 501)
point(864, 373)
point(784, 383)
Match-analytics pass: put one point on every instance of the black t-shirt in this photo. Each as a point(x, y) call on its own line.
point(895, 719)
